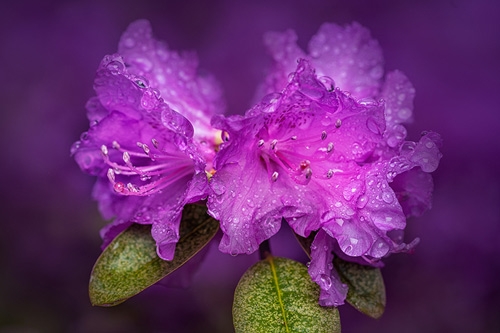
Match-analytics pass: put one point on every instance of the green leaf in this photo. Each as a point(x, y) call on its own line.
point(366, 287)
point(277, 295)
point(129, 264)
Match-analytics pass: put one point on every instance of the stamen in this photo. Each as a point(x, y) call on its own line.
point(323, 135)
point(294, 137)
point(260, 143)
point(309, 173)
point(329, 174)
point(273, 143)
point(338, 123)
point(172, 167)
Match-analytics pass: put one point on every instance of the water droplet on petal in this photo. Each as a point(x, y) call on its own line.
point(144, 64)
point(116, 67)
point(328, 82)
point(129, 42)
point(387, 197)
point(325, 282)
point(270, 102)
point(404, 114)
point(362, 201)
point(75, 147)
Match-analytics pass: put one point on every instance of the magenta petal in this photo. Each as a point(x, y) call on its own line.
point(332, 291)
point(350, 56)
point(398, 93)
point(345, 57)
point(414, 191)
point(174, 76)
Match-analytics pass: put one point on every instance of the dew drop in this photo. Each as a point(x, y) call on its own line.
point(84, 136)
point(270, 102)
point(144, 64)
point(129, 42)
point(404, 114)
point(116, 67)
point(362, 201)
point(328, 82)
point(325, 282)
point(387, 197)
point(372, 125)
point(75, 147)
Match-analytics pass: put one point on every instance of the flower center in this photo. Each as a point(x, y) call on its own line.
point(146, 171)
point(298, 155)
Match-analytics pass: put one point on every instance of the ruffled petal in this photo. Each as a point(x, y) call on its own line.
point(350, 56)
point(174, 76)
point(332, 291)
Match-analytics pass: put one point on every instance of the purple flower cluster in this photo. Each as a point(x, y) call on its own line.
point(324, 150)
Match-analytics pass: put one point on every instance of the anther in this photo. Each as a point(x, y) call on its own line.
point(116, 145)
point(329, 148)
point(104, 150)
point(260, 143)
point(329, 174)
point(132, 188)
point(155, 143)
point(309, 173)
point(111, 175)
point(294, 137)
point(273, 143)
point(323, 135)
point(275, 175)
point(338, 123)
point(144, 147)
point(126, 157)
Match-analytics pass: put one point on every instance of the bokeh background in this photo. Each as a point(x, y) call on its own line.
point(49, 51)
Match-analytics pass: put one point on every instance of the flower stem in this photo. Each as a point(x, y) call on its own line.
point(264, 249)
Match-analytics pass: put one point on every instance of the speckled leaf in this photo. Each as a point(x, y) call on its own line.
point(366, 284)
point(277, 295)
point(366, 287)
point(129, 264)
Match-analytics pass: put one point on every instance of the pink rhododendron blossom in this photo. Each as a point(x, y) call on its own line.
point(148, 158)
point(323, 159)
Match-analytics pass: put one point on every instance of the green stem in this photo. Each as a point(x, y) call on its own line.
point(264, 249)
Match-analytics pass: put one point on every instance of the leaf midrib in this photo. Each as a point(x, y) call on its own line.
point(276, 284)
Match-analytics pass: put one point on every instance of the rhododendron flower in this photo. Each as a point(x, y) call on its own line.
point(323, 159)
point(148, 158)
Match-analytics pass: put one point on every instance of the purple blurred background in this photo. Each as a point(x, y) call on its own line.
point(49, 237)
